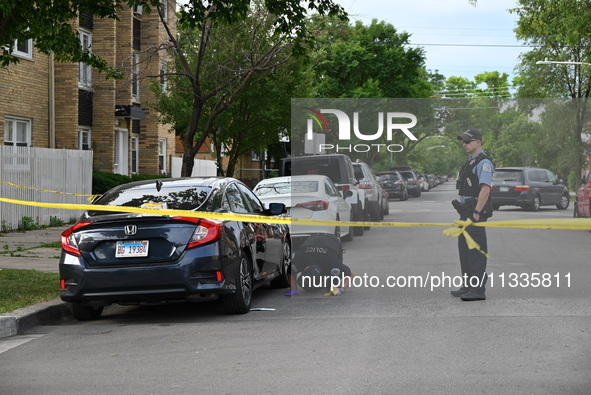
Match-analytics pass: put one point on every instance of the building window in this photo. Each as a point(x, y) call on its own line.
point(17, 132)
point(84, 138)
point(17, 136)
point(23, 48)
point(84, 69)
point(255, 156)
point(164, 8)
point(163, 82)
point(162, 156)
point(135, 89)
point(135, 142)
point(137, 9)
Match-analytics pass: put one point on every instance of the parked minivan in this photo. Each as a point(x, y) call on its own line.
point(337, 167)
point(528, 187)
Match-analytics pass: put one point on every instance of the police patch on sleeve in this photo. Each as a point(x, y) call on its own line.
point(486, 167)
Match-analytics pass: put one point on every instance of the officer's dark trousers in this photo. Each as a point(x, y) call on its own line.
point(473, 262)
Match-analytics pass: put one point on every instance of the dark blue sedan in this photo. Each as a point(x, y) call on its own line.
point(115, 257)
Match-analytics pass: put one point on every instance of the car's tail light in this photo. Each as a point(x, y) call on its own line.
point(521, 188)
point(207, 231)
point(365, 185)
point(317, 205)
point(344, 187)
point(492, 187)
point(398, 182)
point(69, 241)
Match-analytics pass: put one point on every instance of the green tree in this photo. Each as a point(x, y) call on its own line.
point(260, 115)
point(559, 31)
point(222, 46)
point(372, 60)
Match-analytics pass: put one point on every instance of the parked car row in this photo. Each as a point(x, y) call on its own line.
point(355, 182)
point(402, 181)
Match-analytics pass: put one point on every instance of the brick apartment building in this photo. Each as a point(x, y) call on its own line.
point(49, 104)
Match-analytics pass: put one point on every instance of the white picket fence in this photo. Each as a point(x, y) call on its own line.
point(35, 171)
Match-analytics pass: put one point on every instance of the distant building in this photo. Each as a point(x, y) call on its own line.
point(49, 104)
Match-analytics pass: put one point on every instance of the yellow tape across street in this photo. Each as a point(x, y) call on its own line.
point(458, 227)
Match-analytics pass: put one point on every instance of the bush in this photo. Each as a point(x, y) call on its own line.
point(102, 182)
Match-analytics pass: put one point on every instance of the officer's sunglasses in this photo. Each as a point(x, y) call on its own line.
point(468, 141)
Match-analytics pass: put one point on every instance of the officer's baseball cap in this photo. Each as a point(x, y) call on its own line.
point(470, 134)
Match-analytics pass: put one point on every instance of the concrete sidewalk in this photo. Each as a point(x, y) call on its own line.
point(34, 249)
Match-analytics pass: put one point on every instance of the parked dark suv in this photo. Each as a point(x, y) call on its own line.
point(337, 167)
point(412, 179)
point(528, 187)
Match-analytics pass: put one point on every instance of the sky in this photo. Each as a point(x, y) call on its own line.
point(459, 39)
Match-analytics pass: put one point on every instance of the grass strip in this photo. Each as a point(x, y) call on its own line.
point(21, 288)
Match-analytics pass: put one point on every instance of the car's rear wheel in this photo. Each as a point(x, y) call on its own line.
point(239, 302)
point(358, 230)
point(536, 204)
point(564, 202)
point(377, 212)
point(349, 236)
point(496, 207)
point(86, 313)
point(283, 280)
point(368, 215)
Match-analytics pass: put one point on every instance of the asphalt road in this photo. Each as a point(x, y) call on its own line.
point(374, 339)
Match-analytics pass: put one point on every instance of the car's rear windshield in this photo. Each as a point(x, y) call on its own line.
point(388, 177)
point(508, 175)
point(329, 167)
point(284, 188)
point(408, 175)
point(174, 197)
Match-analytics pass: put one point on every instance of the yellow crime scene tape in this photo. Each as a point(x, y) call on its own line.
point(90, 197)
point(458, 226)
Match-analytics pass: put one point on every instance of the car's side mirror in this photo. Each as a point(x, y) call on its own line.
point(276, 209)
point(347, 193)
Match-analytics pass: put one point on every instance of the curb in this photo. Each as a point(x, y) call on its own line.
point(19, 321)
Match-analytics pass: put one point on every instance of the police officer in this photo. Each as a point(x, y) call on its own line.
point(474, 184)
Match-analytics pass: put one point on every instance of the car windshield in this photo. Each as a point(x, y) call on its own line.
point(508, 175)
point(388, 177)
point(329, 167)
point(147, 196)
point(408, 175)
point(284, 188)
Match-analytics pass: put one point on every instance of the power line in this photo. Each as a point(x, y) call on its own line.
point(478, 45)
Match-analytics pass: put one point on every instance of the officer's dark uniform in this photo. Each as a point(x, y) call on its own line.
point(473, 262)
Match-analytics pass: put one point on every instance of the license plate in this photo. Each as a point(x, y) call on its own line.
point(132, 249)
point(504, 189)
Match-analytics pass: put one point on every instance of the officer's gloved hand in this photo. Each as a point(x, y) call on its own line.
point(293, 292)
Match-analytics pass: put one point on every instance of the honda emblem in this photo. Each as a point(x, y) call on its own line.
point(130, 230)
